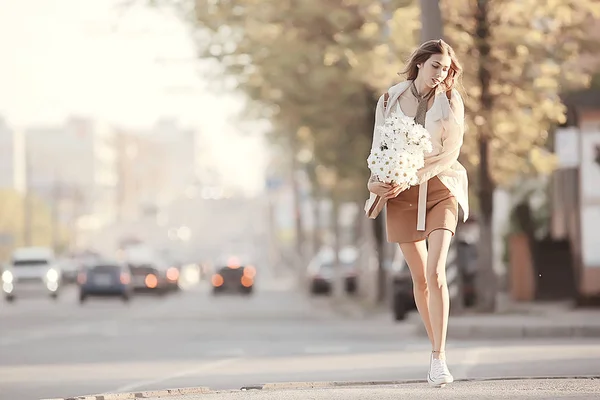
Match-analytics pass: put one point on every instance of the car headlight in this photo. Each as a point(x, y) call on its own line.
point(52, 275)
point(7, 277)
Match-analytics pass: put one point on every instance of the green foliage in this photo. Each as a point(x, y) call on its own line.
point(535, 51)
point(315, 68)
point(595, 81)
point(12, 223)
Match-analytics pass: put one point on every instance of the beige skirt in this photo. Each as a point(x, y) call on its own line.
point(401, 213)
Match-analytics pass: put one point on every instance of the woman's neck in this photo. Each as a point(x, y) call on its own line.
point(422, 88)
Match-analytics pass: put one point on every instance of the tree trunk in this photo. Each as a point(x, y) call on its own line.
point(27, 203)
point(316, 238)
point(431, 20)
point(297, 203)
point(379, 231)
point(338, 276)
point(486, 276)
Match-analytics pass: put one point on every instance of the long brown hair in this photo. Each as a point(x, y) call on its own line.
point(426, 50)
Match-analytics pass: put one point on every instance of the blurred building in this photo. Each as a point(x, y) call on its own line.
point(576, 183)
point(576, 189)
point(11, 162)
point(154, 167)
point(141, 176)
point(72, 167)
point(180, 148)
point(590, 63)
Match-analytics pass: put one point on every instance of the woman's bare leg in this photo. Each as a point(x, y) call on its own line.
point(416, 257)
point(439, 300)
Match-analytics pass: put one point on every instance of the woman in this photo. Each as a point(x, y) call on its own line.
point(428, 210)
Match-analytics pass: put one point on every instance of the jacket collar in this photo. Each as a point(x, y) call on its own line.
point(438, 110)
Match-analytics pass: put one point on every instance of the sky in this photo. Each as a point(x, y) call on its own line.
point(124, 66)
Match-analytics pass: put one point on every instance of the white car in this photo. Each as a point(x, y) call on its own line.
point(32, 271)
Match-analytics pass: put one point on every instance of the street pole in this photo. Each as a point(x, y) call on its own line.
point(340, 283)
point(27, 209)
point(56, 196)
point(431, 20)
point(297, 204)
point(379, 223)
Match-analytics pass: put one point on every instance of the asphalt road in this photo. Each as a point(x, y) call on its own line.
point(56, 349)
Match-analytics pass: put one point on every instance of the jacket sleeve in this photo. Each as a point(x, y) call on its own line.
point(379, 121)
point(455, 126)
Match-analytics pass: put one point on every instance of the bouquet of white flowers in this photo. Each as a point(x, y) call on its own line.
point(402, 150)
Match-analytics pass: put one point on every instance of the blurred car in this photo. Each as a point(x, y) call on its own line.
point(321, 270)
point(105, 279)
point(32, 271)
point(149, 271)
point(173, 268)
point(403, 299)
point(173, 275)
point(462, 255)
point(151, 277)
point(234, 277)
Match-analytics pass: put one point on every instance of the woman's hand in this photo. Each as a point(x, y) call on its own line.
point(386, 190)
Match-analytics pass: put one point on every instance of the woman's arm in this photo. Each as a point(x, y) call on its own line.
point(451, 145)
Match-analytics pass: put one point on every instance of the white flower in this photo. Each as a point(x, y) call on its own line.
point(404, 144)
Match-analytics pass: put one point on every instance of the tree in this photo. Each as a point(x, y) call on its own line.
point(12, 223)
point(311, 69)
point(431, 20)
point(487, 282)
point(519, 59)
point(316, 71)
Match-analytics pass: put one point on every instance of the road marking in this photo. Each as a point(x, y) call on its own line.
point(326, 349)
point(227, 353)
point(180, 374)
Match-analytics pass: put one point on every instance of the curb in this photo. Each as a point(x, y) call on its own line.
point(334, 384)
point(140, 395)
point(303, 386)
point(515, 331)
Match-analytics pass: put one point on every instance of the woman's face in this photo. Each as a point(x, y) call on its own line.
point(435, 70)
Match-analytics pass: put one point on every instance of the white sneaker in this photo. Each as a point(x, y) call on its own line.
point(439, 374)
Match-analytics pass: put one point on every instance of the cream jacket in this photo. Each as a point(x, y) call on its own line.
point(445, 123)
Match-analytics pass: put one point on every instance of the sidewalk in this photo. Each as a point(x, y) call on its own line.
point(523, 320)
point(512, 320)
point(507, 388)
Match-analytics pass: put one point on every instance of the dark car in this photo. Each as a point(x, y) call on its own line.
point(151, 278)
point(321, 270)
point(173, 274)
point(105, 279)
point(234, 277)
point(460, 275)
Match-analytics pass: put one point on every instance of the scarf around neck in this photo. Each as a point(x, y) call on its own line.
point(423, 101)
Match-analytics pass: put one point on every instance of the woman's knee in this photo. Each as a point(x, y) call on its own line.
point(415, 255)
point(436, 278)
point(419, 283)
